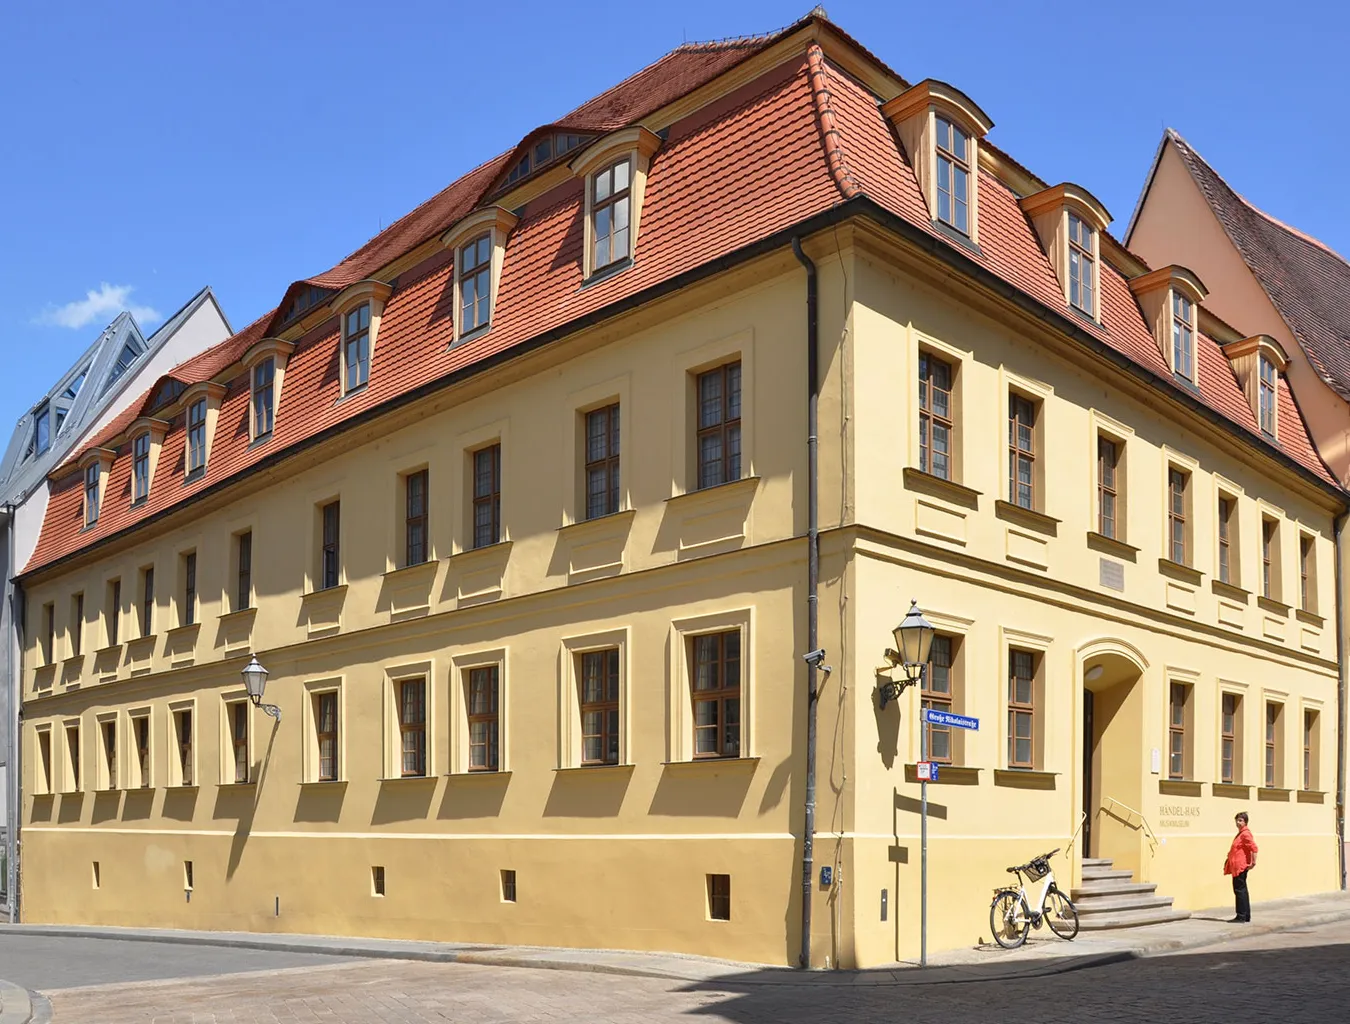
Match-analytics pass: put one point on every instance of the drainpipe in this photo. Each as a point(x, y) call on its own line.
point(812, 584)
point(14, 763)
point(1341, 645)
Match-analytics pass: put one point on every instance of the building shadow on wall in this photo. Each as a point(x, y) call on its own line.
point(243, 803)
point(138, 805)
point(404, 800)
point(180, 803)
point(70, 808)
point(43, 805)
point(474, 796)
point(588, 792)
point(320, 801)
point(703, 789)
point(106, 806)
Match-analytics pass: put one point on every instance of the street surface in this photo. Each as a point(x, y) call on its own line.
point(1301, 975)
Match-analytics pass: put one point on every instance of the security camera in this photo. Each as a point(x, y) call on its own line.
point(814, 658)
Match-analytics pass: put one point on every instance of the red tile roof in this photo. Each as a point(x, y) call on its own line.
point(1308, 282)
point(727, 177)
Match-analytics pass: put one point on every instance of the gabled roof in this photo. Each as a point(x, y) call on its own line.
point(800, 146)
point(1306, 280)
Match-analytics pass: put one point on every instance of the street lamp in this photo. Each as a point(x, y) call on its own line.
point(914, 638)
point(255, 680)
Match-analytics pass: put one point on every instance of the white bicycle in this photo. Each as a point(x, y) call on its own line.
point(1011, 917)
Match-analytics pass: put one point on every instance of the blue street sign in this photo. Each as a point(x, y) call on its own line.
point(933, 717)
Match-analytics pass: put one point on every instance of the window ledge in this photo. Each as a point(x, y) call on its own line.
point(1273, 793)
point(939, 487)
point(182, 789)
point(1274, 607)
point(240, 614)
point(138, 502)
point(103, 651)
point(616, 522)
point(1179, 787)
point(333, 593)
point(472, 335)
point(496, 773)
point(596, 768)
point(698, 763)
point(408, 779)
point(1310, 618)
point(178, 631)
point(1230, 591)
point(346, 395)
point(728, 490)
point(322, 783)
point(413, 571)
point(195, 475)
point(1230, 789)
point(1110, 546)
point(948, 774)
point(1029, 518)
point(1022, 778)
point(956, 235)
point(608, 271)
point(260, 440)
point(1311, 796)
point(488, 553)
point(74, 663)
point(251, 784)
point(1177, 571)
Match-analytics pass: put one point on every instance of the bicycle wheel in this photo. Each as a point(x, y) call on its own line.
point(1061, 915)
point(1009, 920)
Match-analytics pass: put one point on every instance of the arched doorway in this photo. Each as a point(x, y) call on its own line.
point(1113, 766)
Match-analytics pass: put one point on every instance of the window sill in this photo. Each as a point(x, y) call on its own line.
point(472, 335)
point(352, 393)
point(607, 271)
point(1029, 518)
point(1022, 778)
point(1309, 618)
point(1177, 571)
point(948, 775)
point(251, 784)
point(408, 779)
point(1311, 796)
point(716, 492)
point(1230, 789)
point(1276, 794)
point(938, 487)
point(1273, 606)
point(1179, 787)
point(501, 549)
point(323, 783)
point(700, 763)
point(182, 789)
point(195, 475)
point(611, 521)
point(1111, 546)
point(103, 652)
point(956, 235)
point(1229, 591)
point(240, 614)
point(138, 502)
point(599, 769)
point(180, 631)
point(260, 440)
point(413, 571)
point(495, 773)
point(75, 664)
point(327, 592)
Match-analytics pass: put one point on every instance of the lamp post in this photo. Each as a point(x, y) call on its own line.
point(914, 640)
point(255, 680)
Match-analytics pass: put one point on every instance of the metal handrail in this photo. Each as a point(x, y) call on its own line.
point(1148, 829)
point(1082, 820)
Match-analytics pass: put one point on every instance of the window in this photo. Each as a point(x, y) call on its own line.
point(1108, 456)
point(237, 716)
point(1021, 709)
point(77, 625)
point(1177, 548)
point(1183, 342)
point(935, 416)
point(1082, 266)
point(475, 284)
point(108, 734)
point(356, 346)
point(182, 728)
point(140, 728)
point(1269, 568)
point(49, 634)
point(602, 461)
point(610, 213)
point(415, 518)
point(953, 175)
point(309, 297)
point(75, 385)
point(243, 584)
point(719, 897)
point(938, 693)
point(1274, 751)
point(717, 694)
point(112, 613)
point(189, 616)
point(600, 707)
point(719, 425)
point(73, 755)
point(1307, 574)
point(196, 439)
point(326, 733)
point(545, 152)
point(42, 430)
point(140, 468)
point(187, 874)
point(330, 564)
point(1226, 506)
point(487, 496)
point(147, 600)
point(1176, 731)
point(1310, 751)
point(483, 728)
point(412, 721)
point(377, 880)
point(1230, 749)
point(44, 763)
point(1021, 451)
point(124, 360)
point(264, 397)
point(508, 886)
point(1265, 386)
point(91, 475)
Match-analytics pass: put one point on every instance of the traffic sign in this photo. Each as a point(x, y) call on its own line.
point(935, 717)
point(927, 771)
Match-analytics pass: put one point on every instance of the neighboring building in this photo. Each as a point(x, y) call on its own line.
point(516, 504)
point(1271, 279)
point(96, 387)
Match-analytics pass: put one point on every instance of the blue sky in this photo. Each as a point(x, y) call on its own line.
point(162, 146)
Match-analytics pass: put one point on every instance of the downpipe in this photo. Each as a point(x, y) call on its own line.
point(1341, 645)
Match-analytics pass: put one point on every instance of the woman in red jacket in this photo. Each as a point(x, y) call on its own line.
point(1241, 859)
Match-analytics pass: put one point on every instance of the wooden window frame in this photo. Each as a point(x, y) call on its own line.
point(239, 745)
point(1108, 525)
point(77, 624)
point(609, 735)
point(719, 696)
point(140, 468)
point(1183, 336)
point(45, 784)
point(181, 723)
point(189, 610)
point(147, 601)
point(330, 544)
point(1307, 572)
point(1229, 751)
point(142, 739)
point(1224, 514)
point(49, 633)
point(112, 614)
point(243, 592)
point(478, 273)
point(1018, 710)
point(726, 429)
point(91, 496)
point(196, 437)
point(1269, 566)
point(262, 402)
point(485, 477)
point(1176, 730)
point(416, 505)
point(944, 648)
point(73, 754)
point(614, 200)
point(719, 897)
point(601, 461)
point(489, 718)
point(107, 730)
point(409, 726)
point(1178, 524)
point(1023, 414)
point(1266, 395)
point(930, 418)
point(356, 348)
point(946, 156)
point(1311, 723)
point(332, 736)
point(1082, 244)
point(1273, 745)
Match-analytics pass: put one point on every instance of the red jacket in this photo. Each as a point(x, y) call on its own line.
point(1242, 854)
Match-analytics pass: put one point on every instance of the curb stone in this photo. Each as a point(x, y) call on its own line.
point(15, 1005)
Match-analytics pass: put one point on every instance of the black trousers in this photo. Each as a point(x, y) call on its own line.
point(1244, 903)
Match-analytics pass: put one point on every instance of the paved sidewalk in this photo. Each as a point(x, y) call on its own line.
point(15, 1007)
point(1042, 955)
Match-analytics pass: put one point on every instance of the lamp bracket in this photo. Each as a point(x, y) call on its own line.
point(267, 709)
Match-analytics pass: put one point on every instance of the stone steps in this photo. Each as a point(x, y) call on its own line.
point(1131, 918)
point(1111, 887)
point(1109, 897)
point(1095, 905)
point(1095, 874)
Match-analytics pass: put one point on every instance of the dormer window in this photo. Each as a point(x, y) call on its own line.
point(265, 367)
point(42, 430)
point(196, 436)
point(544, 152)
point(91, 495)
point(201, 405)
point(356, 346)
point(140, 468)
point(264, 398)
point(953, 176)
point(1257, 363)
point(308, 297)
point(610, 214)
point(1183, 336)
point(1082, 265)
point(1266, 394)
point(475, 283)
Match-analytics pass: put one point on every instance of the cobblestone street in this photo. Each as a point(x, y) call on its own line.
point(1268, 978)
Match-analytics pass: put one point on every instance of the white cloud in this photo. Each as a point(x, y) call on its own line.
point(101, 306)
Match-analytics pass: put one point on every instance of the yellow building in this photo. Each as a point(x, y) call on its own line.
point(537, 686)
